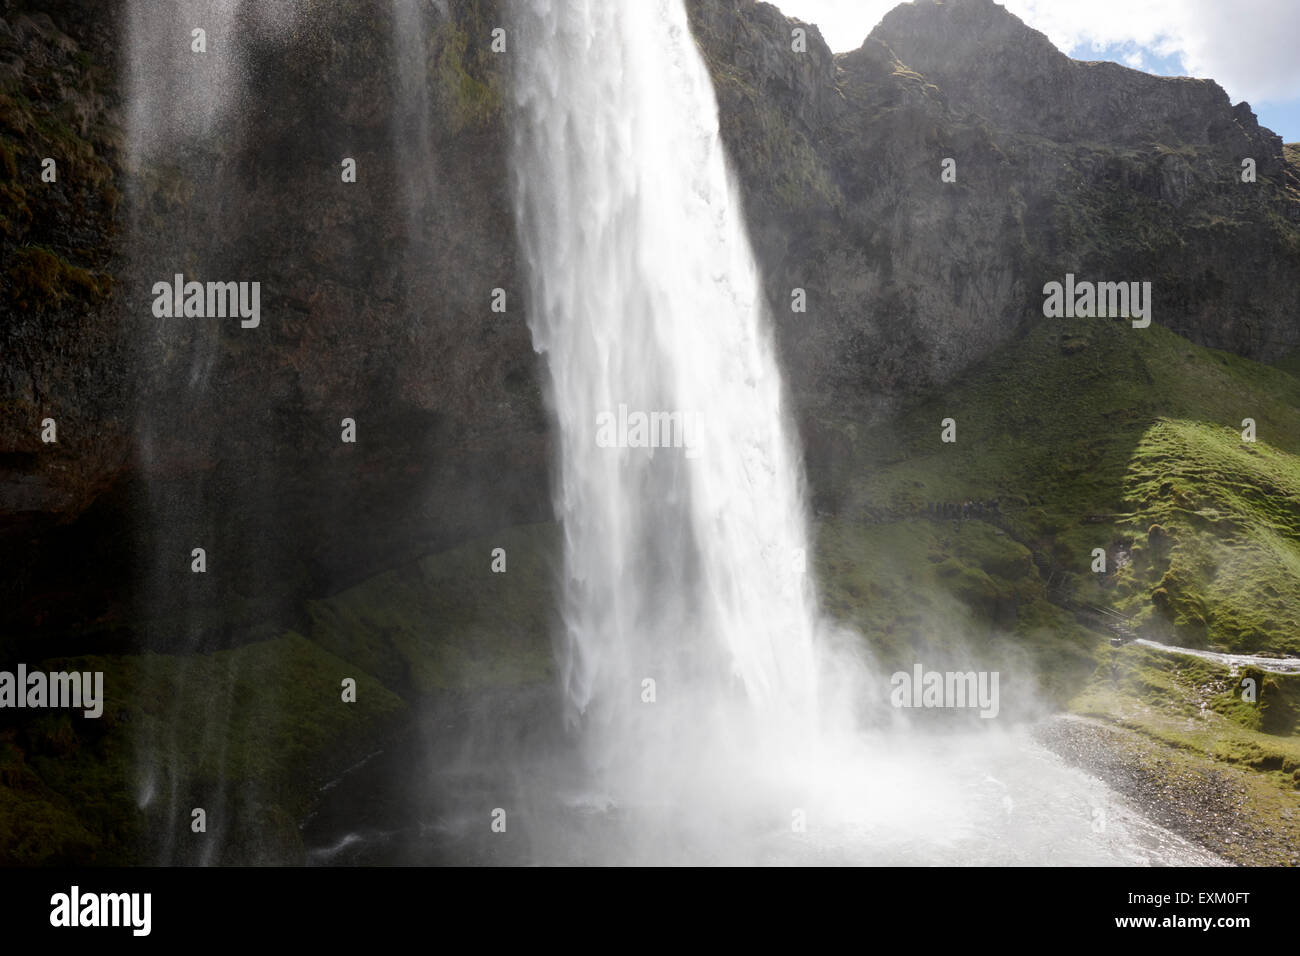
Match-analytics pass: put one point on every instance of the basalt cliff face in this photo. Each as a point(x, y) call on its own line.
point(1061, 166)
point(183, 433)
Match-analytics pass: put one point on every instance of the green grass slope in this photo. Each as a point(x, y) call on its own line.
point(1090, 434)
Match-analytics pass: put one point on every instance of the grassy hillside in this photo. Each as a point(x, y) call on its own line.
point(1091, 434)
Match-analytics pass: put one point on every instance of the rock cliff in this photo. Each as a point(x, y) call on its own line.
point(211, 435)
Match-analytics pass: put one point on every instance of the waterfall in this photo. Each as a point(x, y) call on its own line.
point(412, 137)
point(683, 563)
point(177, 103)
point(174, 94)
point(186, 90)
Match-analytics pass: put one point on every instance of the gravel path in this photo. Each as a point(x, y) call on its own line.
point(1207, 803)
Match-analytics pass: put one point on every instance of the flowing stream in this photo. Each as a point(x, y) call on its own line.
point(1230, 659)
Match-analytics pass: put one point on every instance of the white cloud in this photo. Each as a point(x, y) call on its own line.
point(844, 23)
point(1135, 59)
point(1248, 46)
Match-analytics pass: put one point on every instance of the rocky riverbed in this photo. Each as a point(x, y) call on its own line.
point(1227, 810)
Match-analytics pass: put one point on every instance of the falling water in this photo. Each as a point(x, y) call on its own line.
point(683, 562)
point(174, 94)
point(185, 93)
point(412, 136)
point(177, 106)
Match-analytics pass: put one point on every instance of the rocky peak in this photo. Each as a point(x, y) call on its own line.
point(991, 63)
point(755, 39)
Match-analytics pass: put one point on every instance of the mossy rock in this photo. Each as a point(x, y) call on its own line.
point(254, 730)
point(42, 279)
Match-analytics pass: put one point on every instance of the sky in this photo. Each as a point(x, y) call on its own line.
point(1248, 46)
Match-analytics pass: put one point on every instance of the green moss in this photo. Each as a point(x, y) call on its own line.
point(1199, 706)
point(39, 826)
point(1290, 363)
point(41, 279)
point(450, 621)
point(468, 83)
point(17, 214)
point(8, 159)
point(250, 733)
point(1225, 565)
